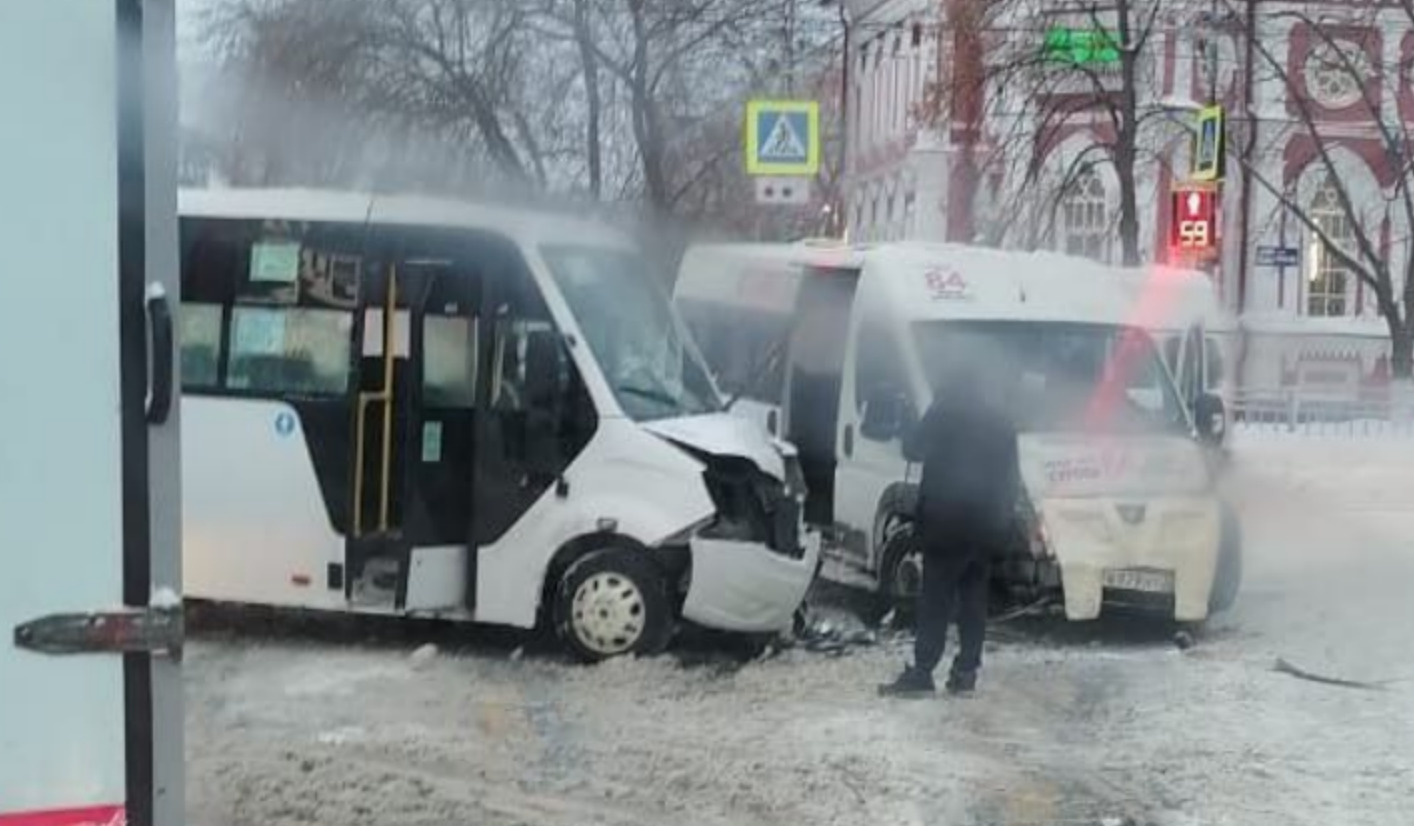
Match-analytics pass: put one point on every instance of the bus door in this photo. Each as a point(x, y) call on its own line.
point(414, 423)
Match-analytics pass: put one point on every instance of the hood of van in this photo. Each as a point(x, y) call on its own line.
point(1071, 466)
point(723, 434)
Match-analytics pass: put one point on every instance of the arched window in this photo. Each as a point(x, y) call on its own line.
point(1085, 224)
point(1327, 278)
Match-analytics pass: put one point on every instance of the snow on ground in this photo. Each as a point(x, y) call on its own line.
point(1072, 725)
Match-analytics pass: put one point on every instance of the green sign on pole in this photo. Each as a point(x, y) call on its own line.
point(1080, 47)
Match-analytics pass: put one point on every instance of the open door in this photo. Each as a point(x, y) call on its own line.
point(1192, 378)
point(90, 619)
point(814, 380)
point(414, 446)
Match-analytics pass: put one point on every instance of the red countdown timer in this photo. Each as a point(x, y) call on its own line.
point(1194, 229)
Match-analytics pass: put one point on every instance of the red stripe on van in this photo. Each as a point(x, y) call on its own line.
point(92, 816)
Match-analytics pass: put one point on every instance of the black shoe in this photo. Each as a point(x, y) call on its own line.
point(911, 683)
point(961, 682)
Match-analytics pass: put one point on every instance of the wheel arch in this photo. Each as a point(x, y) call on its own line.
point(673, 561)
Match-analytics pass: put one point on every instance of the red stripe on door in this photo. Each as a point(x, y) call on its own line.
point(92, 816)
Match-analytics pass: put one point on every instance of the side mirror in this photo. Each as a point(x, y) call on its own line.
point(1210, 416)
point(886, 416)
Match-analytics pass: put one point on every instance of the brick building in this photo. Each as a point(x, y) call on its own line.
point(1003, 168)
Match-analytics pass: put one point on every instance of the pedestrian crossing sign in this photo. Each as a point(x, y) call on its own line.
point(783, 137)
point(1209, 145)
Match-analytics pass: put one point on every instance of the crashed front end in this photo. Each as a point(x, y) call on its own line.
point(753, 563)
point(753, 560)
point(1124, 520)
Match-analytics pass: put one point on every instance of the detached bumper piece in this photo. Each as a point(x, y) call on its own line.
point(136, 631)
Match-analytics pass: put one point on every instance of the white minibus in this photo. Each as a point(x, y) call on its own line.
point(839, 358)
point(413, 406)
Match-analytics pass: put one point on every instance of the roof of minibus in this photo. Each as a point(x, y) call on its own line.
point(757, 275)
point(526, 226)
point(931, 280)
point(924, 281)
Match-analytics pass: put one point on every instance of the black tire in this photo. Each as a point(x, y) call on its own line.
point(899, 578)
point(1227, 579)
point(613, 602)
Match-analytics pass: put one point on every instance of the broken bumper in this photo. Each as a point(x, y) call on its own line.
point(1178, 540)
point(746, 586)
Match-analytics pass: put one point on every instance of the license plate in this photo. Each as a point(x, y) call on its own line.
point(1152, 582)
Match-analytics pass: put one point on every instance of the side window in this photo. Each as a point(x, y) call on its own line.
point(289, 350)
point(514, 372)
point(881, 393)
point(450, 329)
point(267, 307)
point(876, 368)
point(540, 413)
point(449, 361)
point(201, 345)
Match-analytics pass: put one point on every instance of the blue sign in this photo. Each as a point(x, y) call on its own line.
point(1210, 147)
point(783, 137)
point(284, 423)
point(1278, 257)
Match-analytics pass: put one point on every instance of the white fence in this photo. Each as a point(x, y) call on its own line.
point(1290, 411)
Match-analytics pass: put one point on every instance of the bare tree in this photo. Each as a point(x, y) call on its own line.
point(619, 100)
point(1346, 49)
point(1033, 97)
point(283, 72)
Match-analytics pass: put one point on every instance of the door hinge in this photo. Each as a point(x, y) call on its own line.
point(138, 630)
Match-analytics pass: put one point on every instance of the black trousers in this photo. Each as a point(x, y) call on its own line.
point(955, 579)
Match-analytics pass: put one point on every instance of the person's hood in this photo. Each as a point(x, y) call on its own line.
point(1077, 465)
point(723, 434)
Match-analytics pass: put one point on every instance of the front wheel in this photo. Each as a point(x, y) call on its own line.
point(613, 602)
point(900, 577)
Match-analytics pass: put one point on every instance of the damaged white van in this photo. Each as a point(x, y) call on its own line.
point(1120, 505)
point(409, 406)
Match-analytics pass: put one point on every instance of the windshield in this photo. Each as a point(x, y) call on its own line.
point(644, 352)
point(1065, 376)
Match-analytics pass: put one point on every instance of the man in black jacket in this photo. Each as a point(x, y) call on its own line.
point(966, 506)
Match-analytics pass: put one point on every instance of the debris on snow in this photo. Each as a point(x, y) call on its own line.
point(1184, 640)
point(423, 655)
point(1284, 667)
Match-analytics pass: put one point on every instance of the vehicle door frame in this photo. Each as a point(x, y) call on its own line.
point(389, 247)
point(131, 394)
point(870, 473)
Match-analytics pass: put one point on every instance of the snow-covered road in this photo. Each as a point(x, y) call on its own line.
point(1070, 727)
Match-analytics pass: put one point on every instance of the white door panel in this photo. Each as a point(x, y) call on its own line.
point(863, 475)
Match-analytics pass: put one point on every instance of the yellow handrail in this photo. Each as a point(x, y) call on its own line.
point(384, 396)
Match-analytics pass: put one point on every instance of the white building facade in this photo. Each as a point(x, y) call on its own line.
point(1008, 171)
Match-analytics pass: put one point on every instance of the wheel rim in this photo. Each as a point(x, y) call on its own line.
point(908, 576)
point(608, 613)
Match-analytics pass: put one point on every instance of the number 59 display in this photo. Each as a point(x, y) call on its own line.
point(1194, 228)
